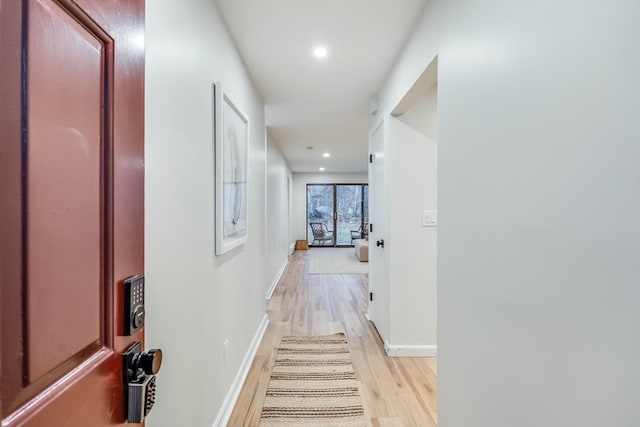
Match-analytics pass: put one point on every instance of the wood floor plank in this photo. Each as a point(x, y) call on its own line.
point(396, 391)
point(386, 422)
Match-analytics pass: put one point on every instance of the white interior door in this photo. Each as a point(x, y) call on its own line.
point(378, 217)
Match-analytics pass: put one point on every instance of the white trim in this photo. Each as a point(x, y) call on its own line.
point(375, 124)
point(272, 288)
point(411, 350)
point(234, 391)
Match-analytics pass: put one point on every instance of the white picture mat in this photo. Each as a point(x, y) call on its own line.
point(231, 130)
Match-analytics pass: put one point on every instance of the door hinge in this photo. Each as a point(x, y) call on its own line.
point(370, 296)
point(370, 228)
point(370, 158)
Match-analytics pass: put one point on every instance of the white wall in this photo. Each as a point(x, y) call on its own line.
point(412, 159)
point(299, 195)
point(422, 115)
point(539, 219)
point(278, 211)
point(196, 300)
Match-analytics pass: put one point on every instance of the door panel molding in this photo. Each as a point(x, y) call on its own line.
point(65, 196)
point(38, 399)
point(11, 322)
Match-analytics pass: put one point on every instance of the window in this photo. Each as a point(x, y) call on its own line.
point(336, 213)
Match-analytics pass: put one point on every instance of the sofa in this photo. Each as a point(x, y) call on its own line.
point(361, 247)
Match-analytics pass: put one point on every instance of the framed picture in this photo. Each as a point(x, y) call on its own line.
point(231, 132)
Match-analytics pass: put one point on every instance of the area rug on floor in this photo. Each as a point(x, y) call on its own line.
point(335, 261)
point(313, 384)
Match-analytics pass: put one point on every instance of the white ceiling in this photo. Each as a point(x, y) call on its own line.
point(320, 103)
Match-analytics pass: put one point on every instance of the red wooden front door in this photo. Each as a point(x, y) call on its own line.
point(71, 206)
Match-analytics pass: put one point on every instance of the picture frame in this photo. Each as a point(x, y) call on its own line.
point(231, 139)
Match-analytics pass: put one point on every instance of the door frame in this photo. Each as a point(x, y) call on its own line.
point(378, 307)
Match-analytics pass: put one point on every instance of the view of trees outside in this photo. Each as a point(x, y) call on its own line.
point(366, 205)
point(319, 207)
point(348, 210)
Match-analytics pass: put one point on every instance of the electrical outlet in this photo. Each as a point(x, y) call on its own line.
point(225, 352)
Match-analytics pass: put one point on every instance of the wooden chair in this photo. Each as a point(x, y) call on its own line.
point(321, 233)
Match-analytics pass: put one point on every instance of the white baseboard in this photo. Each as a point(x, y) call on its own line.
point(292, 248)
point(272, 288)
point(411, 350)
point(232, 397)
point(408, 350)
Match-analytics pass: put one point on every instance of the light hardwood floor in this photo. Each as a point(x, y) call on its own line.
point(396, 391)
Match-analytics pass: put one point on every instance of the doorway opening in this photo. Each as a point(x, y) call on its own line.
point(403, 262)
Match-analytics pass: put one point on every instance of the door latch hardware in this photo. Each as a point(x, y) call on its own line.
point(139, 371)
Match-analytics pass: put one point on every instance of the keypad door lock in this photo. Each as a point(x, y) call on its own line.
point(139, 375)
point(133, 304)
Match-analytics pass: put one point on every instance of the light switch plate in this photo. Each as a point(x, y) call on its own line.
point(429, 218)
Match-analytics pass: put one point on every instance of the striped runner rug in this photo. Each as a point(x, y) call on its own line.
point(313, 384)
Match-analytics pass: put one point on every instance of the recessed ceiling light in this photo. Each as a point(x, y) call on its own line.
point(320, 52)
point(321, 169)
point(326, 155)
point(310, 147)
